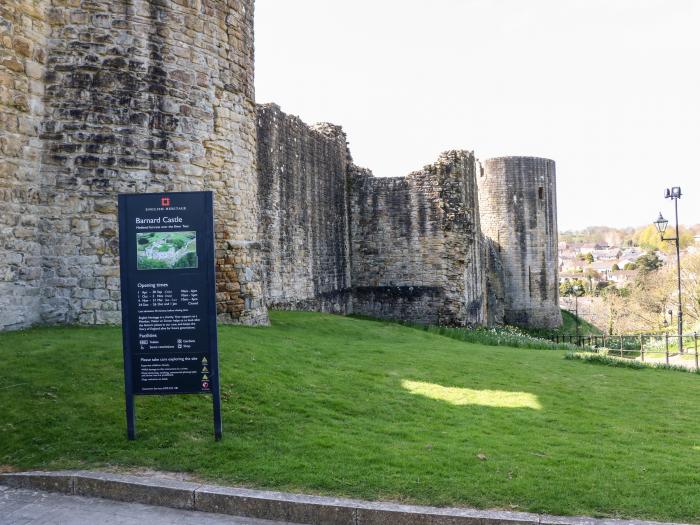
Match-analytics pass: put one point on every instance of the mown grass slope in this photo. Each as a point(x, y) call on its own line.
point(568, 327)
point(325, 404)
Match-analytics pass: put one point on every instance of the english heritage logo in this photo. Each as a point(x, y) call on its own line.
point(165, 202)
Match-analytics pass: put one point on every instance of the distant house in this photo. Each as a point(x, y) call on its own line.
point(624, 262)
point(631, 254)
point(623, 277)
point(603, 266)
point(606, 253)
point(569, 276)
point(586, 248)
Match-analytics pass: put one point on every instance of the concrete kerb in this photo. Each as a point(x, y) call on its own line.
point(277, 506)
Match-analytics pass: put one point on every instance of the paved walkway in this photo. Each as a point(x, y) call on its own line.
point(30, 507)
point(676, 360)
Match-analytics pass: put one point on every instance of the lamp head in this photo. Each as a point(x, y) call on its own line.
point(661, 224)
point(673, 193)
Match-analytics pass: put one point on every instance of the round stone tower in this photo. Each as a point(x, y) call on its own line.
point(123, 96)
point(518, 209)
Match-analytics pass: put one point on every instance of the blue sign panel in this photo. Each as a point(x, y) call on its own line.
point(166, 246)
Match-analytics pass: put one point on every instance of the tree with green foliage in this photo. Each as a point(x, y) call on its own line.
point(189, 260)
point(146, 263)
point(600, 286)
point(572, 287)
point(649, 262)
point(615, 267)
point(591, 275)
point(649, 239)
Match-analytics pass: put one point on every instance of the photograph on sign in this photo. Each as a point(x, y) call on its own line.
point(166, 250)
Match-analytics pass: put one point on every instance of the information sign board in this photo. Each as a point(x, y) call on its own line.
point(166, 247)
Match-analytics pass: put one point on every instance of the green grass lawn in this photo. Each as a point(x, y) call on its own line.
point(332, 405)
point(568, 327)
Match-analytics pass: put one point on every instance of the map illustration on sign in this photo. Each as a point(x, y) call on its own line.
point(166, 250)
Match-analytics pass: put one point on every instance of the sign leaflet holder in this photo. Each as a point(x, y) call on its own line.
point(168, 298)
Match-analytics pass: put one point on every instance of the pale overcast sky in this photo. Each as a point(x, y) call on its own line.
point(609, 89)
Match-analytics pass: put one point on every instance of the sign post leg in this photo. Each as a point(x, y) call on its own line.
point(216, 390)
point(130, 417)
point(217, 413)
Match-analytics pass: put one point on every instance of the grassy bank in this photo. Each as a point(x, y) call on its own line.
point(510, 336)
point(325, 404)
point(568, 327)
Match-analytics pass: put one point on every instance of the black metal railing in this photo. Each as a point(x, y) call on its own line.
point(645, 347)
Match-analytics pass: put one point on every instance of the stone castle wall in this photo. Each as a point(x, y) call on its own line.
point(24, 32)
point(102, 97)
point(136, 95)
point(335, 238)
point(517, 199)
point(416, 244)
point(304, 222)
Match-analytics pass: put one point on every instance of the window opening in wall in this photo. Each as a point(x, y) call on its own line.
point(540, 192)
point(529, 281)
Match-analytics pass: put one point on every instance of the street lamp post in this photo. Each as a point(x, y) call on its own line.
point(674, 194)
point(576, 289)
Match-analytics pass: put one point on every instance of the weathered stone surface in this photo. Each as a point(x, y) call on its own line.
point(335, 238)
point(113, 96)
point(304, 232)
point(21, 116)
point(118, 96)
point(163, 492)
point(518, 203)
point(278, 506)
point(48, 481)
point(417, 251)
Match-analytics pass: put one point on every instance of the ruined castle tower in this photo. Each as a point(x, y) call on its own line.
point(336, 238)
point(416, 244)
point(518, 208)
point(111, 96)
